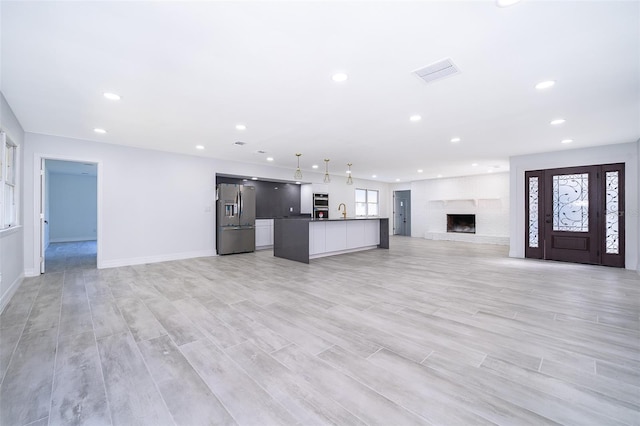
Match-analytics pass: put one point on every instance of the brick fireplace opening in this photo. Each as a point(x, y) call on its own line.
point(461, 223)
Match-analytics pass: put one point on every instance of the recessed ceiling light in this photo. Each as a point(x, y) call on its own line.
point(111, 96)
point(245, 180)
point(475, 164)
point(397, 180)
point(545, 84)
point(557, 121)
point(439, 176)
point(254, 178)
point(339, 77)
point(298, 182)
point(415, 118)
point(199, 146)
point(241, 127)
point(269, 158)
point(101, 131)
point(566, 141)
point(455, 140)
point(490, 171)
point(374, 176)
point(420, 170)
point(315, 166)
point(506, 3)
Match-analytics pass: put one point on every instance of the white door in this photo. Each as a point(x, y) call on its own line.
point(43, 222)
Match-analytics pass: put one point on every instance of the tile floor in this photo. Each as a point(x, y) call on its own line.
point(428, 332)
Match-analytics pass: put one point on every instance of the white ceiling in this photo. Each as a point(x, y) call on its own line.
point(188, 72)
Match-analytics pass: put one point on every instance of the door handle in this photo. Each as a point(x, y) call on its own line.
point(46, 222)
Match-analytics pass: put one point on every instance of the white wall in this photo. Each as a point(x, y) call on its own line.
point(11, 241)
point(607, 154)
point(73, 207)
point(153, 206)
point(486, 196)
point(340, 192)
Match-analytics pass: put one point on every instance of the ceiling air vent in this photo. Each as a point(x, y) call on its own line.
point(438, 70)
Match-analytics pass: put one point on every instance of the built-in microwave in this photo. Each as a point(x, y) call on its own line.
point(321, 200)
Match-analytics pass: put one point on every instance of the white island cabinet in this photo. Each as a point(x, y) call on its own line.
point(334, 237)
point(264, 234)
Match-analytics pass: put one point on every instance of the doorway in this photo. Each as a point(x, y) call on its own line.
point(402, 213)
point(576, 214)
point(69, 215)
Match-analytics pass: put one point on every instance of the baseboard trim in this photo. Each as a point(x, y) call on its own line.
point(28, 273)
point(467, 238)
point(72, 240)
point(116, 263)
point(333, 253)
point(6, 297)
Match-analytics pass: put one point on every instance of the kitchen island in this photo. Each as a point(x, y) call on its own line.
point(304, 239)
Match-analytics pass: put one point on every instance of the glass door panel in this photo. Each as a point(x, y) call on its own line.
point(571, 202)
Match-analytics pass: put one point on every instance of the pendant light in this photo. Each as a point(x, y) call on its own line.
point(349, 178)
point(327, 178)
point(298, 174)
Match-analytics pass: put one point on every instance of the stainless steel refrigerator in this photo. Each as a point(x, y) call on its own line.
point(236, 218)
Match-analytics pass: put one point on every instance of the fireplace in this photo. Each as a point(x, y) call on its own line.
point(461, 223)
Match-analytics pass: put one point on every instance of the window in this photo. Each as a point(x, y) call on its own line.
point(366, 202)
point(8, 180)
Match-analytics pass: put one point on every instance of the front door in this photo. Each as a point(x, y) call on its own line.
point(576, 214)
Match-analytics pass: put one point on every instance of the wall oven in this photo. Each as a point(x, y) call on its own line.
point(321, 206)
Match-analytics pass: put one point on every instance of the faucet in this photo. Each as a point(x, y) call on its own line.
point(344, 213)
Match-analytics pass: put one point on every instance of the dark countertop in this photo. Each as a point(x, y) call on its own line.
point(286, 217)
point(348, 218)
point(332, 219)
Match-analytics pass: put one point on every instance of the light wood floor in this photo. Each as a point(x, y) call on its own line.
point(427, 332)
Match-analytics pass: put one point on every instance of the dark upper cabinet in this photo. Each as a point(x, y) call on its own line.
point(273, 199)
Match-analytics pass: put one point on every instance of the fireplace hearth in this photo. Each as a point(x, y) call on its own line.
point(461, 223)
